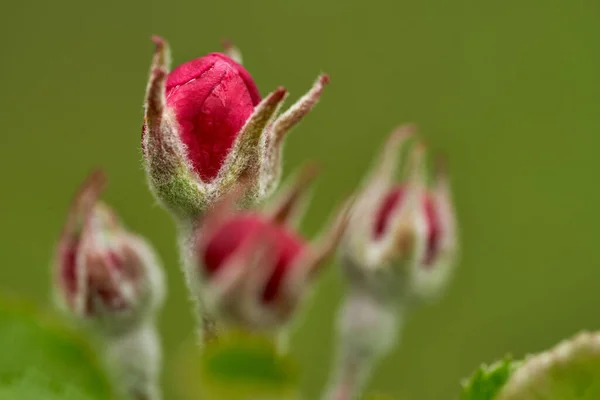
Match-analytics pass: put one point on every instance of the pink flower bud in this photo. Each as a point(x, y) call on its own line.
point(206, 126)
point(253, 267)
point(406, 225)
point(103, 273)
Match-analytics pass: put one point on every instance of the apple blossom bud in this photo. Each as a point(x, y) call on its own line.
point(104, 275)
point(399, 246)
point(252, 269)
point(206, 127)
point(110, 280)
point(401, 238)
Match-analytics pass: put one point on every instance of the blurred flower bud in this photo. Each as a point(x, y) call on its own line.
point(399, 246)
point(104, 275)
point(206, 126)
point(401, 238)
point(251, 268)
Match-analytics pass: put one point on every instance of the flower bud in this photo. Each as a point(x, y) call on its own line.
point(252, 268)
point(401, 238)
point(206, 126)
point(399, 246)
point(104, 275)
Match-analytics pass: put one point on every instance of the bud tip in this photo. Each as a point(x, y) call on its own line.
point(158, 41)
point(279, 94)
point(404, 131)
point(227, 44)
point(310, 171)
point(441, 163)
point(97, 179)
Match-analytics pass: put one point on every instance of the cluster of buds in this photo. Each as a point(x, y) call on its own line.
point(109, 279)
point(210, 144)
point(206, 127)
point(401, 239)
point(251, 268)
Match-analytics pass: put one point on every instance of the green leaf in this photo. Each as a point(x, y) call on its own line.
point(487, 381)
point(34, 341)
point(569, 371)
point(239, 367)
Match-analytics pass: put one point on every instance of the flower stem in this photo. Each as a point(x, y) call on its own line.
point(367, 330)
point(133, 359)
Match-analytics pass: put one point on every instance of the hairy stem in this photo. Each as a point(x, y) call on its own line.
point(367, 330)
point(133, 359)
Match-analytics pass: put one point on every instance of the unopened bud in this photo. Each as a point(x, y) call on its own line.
point(399, 246)
point(206, 127)
point(104, 274)
point(253, 268)
point(401, 239)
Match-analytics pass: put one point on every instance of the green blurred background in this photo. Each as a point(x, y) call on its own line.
point(509, 90)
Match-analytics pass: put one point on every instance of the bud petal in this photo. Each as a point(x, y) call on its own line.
point(206, 128)
point(211, 99)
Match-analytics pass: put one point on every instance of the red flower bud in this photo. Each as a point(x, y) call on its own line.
point(104, 273)
point(206, 127)
point(402, 224)
point(253, 266)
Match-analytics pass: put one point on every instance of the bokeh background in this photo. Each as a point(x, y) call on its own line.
point(509, 90)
